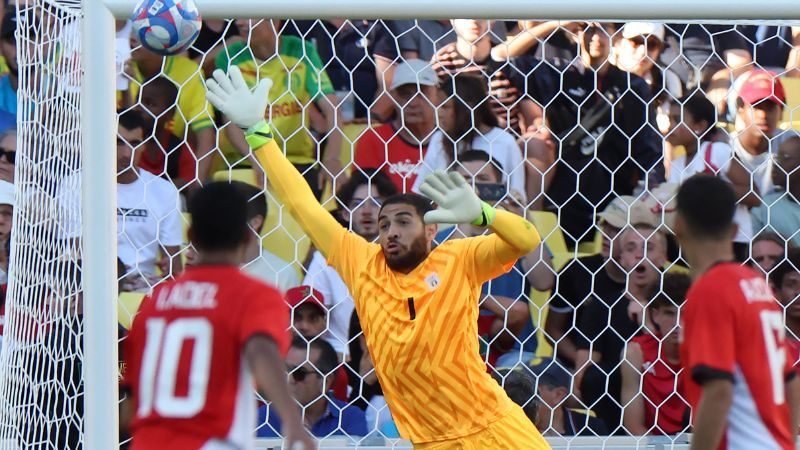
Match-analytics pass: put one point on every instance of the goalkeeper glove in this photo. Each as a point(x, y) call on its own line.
point(456, 201)
point(243, 106)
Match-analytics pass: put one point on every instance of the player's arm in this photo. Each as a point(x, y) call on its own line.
point(267, 367)
point(631, 396)
point(711, 416)
point(245, 108)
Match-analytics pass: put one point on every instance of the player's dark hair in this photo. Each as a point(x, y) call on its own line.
point(521, 389)
point(789, 265)
point(327, 362)
point(219, 217)
point(707, 204)
point(256, 201)
point(482, 156)
point(701, 109)
point(168, 89)
point(375, 177)
point(421, 204)
point(673, 291)
point(132, 120)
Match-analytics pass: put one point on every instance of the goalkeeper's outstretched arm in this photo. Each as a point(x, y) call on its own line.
point(245, 108)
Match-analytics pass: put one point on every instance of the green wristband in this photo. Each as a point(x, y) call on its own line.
point(258, 135)
point(487, 215)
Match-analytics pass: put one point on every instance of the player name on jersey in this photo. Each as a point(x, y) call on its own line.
point(756, 290)
point(188, 295)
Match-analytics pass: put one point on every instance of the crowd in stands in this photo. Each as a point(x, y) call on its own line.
point(585, 128)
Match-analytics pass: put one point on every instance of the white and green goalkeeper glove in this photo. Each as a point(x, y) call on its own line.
point(244, 107)
point(456, 201)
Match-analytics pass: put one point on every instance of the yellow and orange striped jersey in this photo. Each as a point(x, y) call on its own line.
point(421, 331)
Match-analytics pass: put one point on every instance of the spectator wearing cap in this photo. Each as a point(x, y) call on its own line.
point(651, 386)
point(768, 249)
point(693, 126)
point(8, 48)
point(311, 368)
point(257, 260)
point(554, 418)
point(591, 278)
point(785, 280)
point(8, 154)
point(6, 215)
point(756, 135)
point(467, 123)
point(397, 148)
point(780, 211)
point(603, 120)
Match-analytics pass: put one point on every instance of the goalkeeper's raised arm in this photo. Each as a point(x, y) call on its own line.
point(245, 108)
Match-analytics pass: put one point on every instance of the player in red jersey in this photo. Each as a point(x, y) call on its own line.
point(199, 342)
point(738, 379)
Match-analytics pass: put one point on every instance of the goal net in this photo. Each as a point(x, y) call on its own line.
point(585, 128)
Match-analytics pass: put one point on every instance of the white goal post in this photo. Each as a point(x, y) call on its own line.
point(98, 126)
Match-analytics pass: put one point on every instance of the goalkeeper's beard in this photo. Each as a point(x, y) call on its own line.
point(411, 258)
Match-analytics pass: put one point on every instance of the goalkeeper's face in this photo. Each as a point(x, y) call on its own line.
point(404, 238)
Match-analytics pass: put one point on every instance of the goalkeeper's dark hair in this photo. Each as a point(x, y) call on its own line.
point(707, 205)
point(219, 217)
point(421, 204)
point(327, 362)
point(256, 201)
point(132, 120)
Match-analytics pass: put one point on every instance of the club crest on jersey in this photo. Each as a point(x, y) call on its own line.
point(433, 281)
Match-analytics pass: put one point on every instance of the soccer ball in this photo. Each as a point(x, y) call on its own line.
point(166, 27)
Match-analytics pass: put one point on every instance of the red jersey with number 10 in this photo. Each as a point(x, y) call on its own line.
point(190, 384)
point(733, 329)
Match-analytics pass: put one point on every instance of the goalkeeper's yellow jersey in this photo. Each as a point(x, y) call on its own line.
point(422, 334)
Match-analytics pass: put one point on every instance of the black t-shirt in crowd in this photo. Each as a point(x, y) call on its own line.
point(703, 50)
point(607, 328)
point(208, 38)
point(582, 282)
point(605, 128)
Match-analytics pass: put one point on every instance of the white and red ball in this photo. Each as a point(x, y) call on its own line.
point(166, 27)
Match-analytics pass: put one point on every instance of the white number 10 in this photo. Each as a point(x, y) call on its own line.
point(162, 351)
point(774, 334)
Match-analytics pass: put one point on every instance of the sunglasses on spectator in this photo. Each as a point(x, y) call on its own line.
point(10, 155)
point(299, 374)
point(133, 143)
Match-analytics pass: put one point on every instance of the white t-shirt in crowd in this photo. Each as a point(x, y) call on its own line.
point(148, 217)
point(713, 158)
point(324, 279)
point(499, 144)
point(273, 270)
point(760, 165)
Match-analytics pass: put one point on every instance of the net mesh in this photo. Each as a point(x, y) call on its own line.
point(543, 117)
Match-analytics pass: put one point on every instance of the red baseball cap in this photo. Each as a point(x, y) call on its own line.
point(298, 295)
point(763, 85)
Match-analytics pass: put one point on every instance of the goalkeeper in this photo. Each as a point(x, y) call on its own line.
point(418, 307)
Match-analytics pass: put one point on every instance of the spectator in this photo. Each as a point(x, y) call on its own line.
point(756, 136)
point(258, 261)
point(396, 148)
point(507, 333)
point(521, 389)
point(650, 384)
point(467, 123)
point(780, 211)
point(639, 52)
point(608, 324)
point(266, 54)
point(309, 313)
point(768, 250)
point(8, 155)
point(311, 367)
point(6, 215)
point(148, 211)
point(8, 48)
point(193, 121)
point(770, 45)
point(164, 154)
point(554, 418)
point(694, 128)
point(785, 281)
point(422, 39)
point(552, 41)
point(591, 278)
point(214, 34)
point(600, 115)
point(472, 53)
